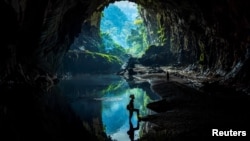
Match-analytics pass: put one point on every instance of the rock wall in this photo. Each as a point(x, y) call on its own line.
point(214, 35)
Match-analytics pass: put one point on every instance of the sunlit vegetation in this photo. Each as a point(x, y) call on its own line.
point(109, 58)
point(111, 47)
point(161, 35)
point(202, 52)
point(123, 31)
point(106, 62)
point(137, 39)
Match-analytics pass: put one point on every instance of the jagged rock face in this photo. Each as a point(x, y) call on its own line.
point(157, 55)
point(205, 31)
point(88, 39)
point(214, 34)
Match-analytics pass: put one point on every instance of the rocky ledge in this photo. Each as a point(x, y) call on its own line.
point(191, 106)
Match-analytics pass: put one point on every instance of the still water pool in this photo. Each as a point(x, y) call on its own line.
point(104, 98)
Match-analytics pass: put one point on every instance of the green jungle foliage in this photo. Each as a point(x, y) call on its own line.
point(86, 61)
point(109, 58)
point(122, 35)
point(111, 47)
point(137, 40)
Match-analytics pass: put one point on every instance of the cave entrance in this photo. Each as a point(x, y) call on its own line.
point(111, 35)
point(122, 30)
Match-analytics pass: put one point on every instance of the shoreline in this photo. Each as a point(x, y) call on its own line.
point(185, 110)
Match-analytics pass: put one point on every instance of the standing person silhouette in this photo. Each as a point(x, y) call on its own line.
point(131, 108)
point(167, 76)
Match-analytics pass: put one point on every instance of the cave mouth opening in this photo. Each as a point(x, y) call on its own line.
point(122, 30)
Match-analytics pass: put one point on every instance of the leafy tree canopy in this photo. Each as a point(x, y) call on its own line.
point(123, 31)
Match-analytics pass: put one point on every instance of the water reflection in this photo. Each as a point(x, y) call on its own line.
point(116, 117)
point(132, 129)
point(106, 98)
point(132, 109)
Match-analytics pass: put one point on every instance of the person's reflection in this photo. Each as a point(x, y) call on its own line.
point(131, 131)
point(131, 109)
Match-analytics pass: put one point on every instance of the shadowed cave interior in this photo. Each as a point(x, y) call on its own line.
point(62, 57)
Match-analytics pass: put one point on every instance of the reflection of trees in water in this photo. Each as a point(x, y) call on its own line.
point(106, 89)
point(146, 87)
point(91, 86)
point(115, 87)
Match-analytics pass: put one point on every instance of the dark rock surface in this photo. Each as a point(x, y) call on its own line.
point(187, 112)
